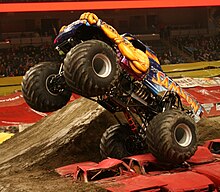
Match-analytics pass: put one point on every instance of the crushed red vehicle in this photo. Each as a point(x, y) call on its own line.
point(91, 171)
point(213, 146)
point(145, 173)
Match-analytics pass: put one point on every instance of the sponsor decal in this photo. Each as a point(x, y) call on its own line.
point(170, 85)
point(208, 107)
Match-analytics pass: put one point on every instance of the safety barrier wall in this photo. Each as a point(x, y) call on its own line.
point(199, 69)
point(9, 85)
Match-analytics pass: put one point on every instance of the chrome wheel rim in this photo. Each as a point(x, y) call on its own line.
point(101, 65)
point(183, 135)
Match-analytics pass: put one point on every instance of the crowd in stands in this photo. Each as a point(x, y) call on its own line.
point(201, 48)
point(16, 61)
point(166, 55)
point(170, 57)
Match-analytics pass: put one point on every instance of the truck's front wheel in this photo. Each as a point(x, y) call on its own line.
point(91, 68)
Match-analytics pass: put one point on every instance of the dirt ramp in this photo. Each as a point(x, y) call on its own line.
point(70, 134)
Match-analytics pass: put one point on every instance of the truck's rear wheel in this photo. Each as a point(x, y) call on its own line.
point(118, 141)
point(91, 68)
point(42, 90)
point(171, 137)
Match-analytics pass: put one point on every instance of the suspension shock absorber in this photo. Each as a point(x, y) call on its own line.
point(141, 91)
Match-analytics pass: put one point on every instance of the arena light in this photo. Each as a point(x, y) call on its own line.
point(98, 5)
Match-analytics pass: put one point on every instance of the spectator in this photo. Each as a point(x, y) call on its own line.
point(202, 48)
point(17, 60)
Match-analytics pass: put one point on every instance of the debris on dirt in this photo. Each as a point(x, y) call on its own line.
point(41, 180)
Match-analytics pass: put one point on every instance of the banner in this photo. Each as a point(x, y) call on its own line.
point(205, 90)
point(209, 97)
point(187, 82)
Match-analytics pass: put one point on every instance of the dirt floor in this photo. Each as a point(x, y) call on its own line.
point(72, 134)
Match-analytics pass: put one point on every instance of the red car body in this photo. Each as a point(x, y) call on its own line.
point(144, 173)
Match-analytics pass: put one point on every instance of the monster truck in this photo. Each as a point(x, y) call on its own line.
point(122, 74)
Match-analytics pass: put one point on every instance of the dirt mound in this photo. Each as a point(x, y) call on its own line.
point(69, 135)
point(208, 129)
point(72, 134)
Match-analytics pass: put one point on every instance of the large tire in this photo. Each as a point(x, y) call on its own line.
point(118, 142)
point(37, 92)
point(91, 68)
point(171, 137)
